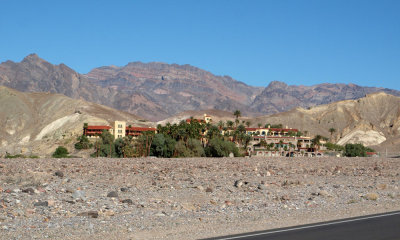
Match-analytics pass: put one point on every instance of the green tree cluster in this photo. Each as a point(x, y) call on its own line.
point(185, 139)
point(218, 147)
point(83, 143)
point(356, 150)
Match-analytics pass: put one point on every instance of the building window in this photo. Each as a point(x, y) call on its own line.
point(119, 131)
point(119, 125)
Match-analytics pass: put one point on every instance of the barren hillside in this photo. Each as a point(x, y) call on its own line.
point(371, 120)
point(38, 122)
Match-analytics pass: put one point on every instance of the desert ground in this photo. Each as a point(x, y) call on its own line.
point(151, 198)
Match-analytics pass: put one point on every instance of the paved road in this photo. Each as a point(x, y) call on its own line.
point(373, 227)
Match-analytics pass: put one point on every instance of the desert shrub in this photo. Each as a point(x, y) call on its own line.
point(334, 147)
point(61, 152)
point(14, 156)
point(20, 156)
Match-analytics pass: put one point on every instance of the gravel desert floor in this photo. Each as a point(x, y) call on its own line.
point(150, 198)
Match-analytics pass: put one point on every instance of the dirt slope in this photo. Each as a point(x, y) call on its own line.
point(38, 122)
point(371, 120)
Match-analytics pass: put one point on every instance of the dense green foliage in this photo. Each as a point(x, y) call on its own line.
point(356, 150)
point(105, 146)
point(218, 147)
point(83, 143)
point(183, 139)
point(162, 146)
point(61, 152)
point(193, 148)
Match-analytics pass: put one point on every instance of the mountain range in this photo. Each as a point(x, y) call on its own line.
point(156, 91)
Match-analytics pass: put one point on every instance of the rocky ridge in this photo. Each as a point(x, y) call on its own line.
point(158, 90)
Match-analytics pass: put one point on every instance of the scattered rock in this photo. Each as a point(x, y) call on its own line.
point(262, 187)
point(228, 203)
point(79, 195)
point(112, 194)
point(209, 190)
point(238, 183)
point(371, 196)
point(124, 189)
point(28, 190)
point(51, 203)
point(128, 201)
point(324, 193)
point(91, 214)
point(285, 198)
point(108, 213)
point(161, 214)
point(382, 186)
point(41, 204)
point(59, 174)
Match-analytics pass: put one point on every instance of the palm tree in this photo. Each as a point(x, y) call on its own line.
point(332, 130)
point(229, 124)
point(237, 114)
point(259, 125)
point(316, 141)
point(248, 124)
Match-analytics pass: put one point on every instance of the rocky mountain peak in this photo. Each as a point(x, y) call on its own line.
point(277, 85)
point(33, 57)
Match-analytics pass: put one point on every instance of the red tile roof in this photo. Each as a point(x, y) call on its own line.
point(252, 129)
point(372, 153)
point(283, 129)
point(273, 129)
point(140, 129)
point(98, 127)
point(195, 120)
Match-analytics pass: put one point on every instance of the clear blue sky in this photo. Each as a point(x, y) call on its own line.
point(298, 42)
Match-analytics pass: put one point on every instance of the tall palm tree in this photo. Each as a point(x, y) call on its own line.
point(316, 141)
point(248, 123)
point(237, 114)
